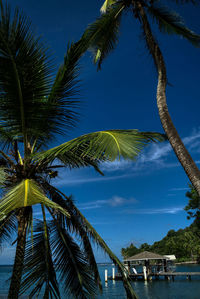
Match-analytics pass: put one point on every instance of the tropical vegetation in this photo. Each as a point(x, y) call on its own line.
point(184, 243)
point(37, 106)
point(102, 37)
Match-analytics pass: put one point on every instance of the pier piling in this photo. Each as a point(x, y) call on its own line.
point(106, 275)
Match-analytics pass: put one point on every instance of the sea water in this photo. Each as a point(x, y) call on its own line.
point(181, 288)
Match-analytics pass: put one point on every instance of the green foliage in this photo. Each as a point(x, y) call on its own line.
point(27, 193)
point(100, 146)
point(171, 23)
point(130, 251)
point(7, 227)
point(184, 244)
point(193, 207)
point(38, 259)
point(101, 37)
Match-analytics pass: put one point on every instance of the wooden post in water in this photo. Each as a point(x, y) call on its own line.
point(113, 273)
point(145, 272)
point(106, 275)
point(126, 270)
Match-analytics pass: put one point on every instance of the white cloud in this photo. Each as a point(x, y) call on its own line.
point(71, 180)
point(179, 189)
point(172, 210)
point(156, 153)
point(115, 201)
point(116, 165)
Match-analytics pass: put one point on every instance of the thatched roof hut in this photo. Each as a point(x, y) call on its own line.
point(144, 256)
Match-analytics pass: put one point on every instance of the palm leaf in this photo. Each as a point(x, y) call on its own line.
point(100, 146)
point(3, 176)
point(38, 265)
point(71, 263)
point(7, 226)
point(24, 76)
point(96, 237)
point(74, 224)
point(64, 90)
point(170, 22)
point(102, 35)
point(26, 193)
point(6, 139)
point(106, 5)
point(29, 108)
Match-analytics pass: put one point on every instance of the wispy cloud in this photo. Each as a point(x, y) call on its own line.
point(157, 153)
point(115, 201)
point(179, 189)
point(171, 210)
point(71, 180)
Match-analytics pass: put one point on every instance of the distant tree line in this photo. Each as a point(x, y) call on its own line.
point(184, 243)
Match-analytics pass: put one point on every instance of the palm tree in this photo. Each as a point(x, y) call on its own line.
point(102, 36)
point(35, 108)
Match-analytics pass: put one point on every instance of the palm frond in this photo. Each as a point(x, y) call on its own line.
point(38, 265)
point(3, 176)
point(93, 148)
point(24, 76)
point(71, 263)
point(62, 98)
point(172, 23)
point(26, 193)
point(74, 224)
point(102, 35)
point(106, 5)
point(6, 139)
point(7, 227)
point(97, 238)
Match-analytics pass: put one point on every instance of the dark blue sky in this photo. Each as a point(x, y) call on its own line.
point(134, 202)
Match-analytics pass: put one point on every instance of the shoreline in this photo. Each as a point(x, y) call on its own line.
point(187, 262)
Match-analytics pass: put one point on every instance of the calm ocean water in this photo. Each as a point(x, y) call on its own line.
point(162, 289)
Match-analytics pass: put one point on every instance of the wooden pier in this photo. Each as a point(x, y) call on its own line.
point(166, 275)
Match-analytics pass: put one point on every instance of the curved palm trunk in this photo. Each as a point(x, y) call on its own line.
point(19, 257)
point(181, 152)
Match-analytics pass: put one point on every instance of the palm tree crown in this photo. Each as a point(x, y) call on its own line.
point(102, 35)
point(35, 107)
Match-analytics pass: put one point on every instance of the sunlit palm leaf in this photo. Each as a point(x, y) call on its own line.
point(27, 193)
point(100, 146)
point(170, 22)
point(38, 265)
point(72, 264)
point(3, 176)
point(106, 5)
point(7, 227)
point(102, 35)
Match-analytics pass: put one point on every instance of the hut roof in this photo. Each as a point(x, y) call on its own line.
point(146, 255)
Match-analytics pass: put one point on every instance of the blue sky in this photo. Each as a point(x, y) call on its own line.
point(134, 202)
